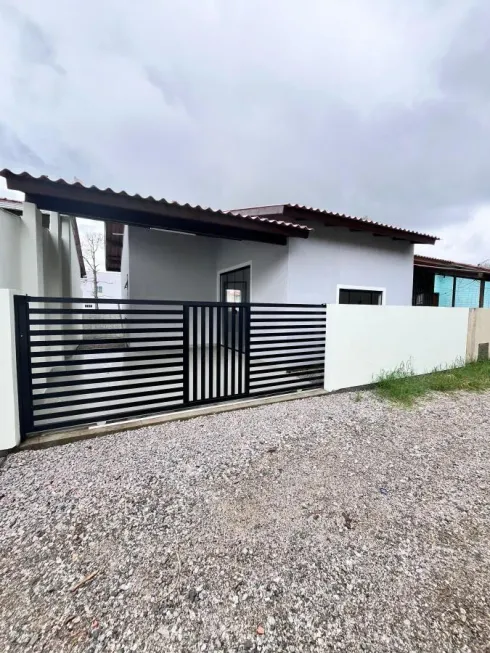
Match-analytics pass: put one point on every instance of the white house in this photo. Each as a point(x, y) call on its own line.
point(324, 258)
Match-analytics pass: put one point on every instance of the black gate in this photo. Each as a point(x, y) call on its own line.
point(87, 361)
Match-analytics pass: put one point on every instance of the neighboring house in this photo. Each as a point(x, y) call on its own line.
point(326, 258)
point(275, 254)
point(108, 285)
point(40, 252)
point(439, 282)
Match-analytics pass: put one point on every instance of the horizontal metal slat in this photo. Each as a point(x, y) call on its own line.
point(102, 351)
point(103, 370)
point(171, 404)
point(64, 383)
point(122, 321)
point(159, 302)
point(254, 343)
point(97, 400)
point(302, 382)
point(122, 330)
point(100, 341)
point(254, 312)
point(306, 329)
point(89, 419)
point(112, 388)
point(115, 359)
point(258, 392)
point(305, 349)
point(281, 318)
point(289, 361)
point(108, 311)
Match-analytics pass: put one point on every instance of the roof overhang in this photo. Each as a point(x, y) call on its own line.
point(301, 214)
point(451, 268)
point(119, 207)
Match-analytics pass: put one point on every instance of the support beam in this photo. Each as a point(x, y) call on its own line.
point(453, 302)
point(481, 303)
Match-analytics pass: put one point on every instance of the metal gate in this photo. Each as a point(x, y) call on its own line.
point(87, 361)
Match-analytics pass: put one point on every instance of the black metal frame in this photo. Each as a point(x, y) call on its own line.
point(72, 375)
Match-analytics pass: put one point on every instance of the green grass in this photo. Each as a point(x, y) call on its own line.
point(404, 387)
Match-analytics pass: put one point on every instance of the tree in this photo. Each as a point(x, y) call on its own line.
point(92, 247)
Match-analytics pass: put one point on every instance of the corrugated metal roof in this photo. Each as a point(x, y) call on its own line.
point(274, 209)
point(150, 199)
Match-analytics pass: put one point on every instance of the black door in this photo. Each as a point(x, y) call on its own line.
point(235, 289)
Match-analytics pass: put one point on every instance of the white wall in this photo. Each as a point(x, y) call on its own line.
point(170, 266)
point(10, 263)
point(364, 341)
point(331, 257)
point(269, 268)
point(37, 260)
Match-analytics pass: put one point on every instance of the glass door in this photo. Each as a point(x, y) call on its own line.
point(234, 289)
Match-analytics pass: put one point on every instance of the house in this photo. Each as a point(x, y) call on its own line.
point(323, 257)
point(439, 282)
point(108, 285)
point(40, 252)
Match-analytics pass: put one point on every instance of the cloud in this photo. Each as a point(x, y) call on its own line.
point(376, 108)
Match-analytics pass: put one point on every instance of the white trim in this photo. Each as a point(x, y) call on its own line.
point(230, 269)
point(344, 286)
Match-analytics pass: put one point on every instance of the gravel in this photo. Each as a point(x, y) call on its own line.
point(336, 523)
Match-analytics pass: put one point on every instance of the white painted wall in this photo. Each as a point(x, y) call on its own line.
point(331, 257)
point(10, 263)
point(269, 268)
point(10, 431)
point(364, 341)
point(170, 266)
point(37, 260)
point(162, 265)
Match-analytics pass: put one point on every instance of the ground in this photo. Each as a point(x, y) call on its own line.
point(336, 523)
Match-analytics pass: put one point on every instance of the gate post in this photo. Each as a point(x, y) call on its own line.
point(10, 433)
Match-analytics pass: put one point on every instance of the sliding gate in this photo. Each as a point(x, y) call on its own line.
point(87, 361)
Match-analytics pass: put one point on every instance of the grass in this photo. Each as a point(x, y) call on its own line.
point(404, 387)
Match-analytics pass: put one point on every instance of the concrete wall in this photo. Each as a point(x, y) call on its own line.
point(268, 268)
point(165, 265)
point(333, 257)
point(364, 341)
point(10, 263)
point(478, 333)
point(36, 259)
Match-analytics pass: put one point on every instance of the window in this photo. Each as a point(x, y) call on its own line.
point(354, 296)
point(99, 289)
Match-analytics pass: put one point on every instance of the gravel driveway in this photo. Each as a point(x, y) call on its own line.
point(336, 523)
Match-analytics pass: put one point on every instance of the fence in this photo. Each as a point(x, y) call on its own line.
point(133, 358)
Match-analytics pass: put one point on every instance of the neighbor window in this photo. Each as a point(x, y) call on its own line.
point(99, 288)
point(354, 296)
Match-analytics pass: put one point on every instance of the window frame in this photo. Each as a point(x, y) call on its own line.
point(344, 286)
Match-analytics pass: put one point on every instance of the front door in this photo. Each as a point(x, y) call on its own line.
point(234, 289)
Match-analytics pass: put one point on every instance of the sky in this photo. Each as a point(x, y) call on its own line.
point(375, 108)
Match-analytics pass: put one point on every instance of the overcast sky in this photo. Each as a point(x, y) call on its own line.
point(376, 108)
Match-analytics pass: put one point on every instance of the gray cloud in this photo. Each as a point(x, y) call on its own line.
point(364, 110)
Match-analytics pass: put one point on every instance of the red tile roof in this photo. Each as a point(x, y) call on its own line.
point(430, 261)
point(341, 219)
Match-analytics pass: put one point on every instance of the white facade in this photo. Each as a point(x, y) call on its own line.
point(165, 265)
point(38, 255)
point(108, 283)
point(362, 342)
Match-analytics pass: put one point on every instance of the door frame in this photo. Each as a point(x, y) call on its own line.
point(231, 269)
